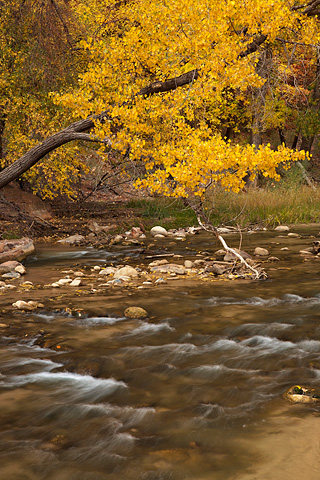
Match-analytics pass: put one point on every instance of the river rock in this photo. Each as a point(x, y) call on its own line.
point(160, 280)
point(64, 281)
point(199, 263)
point(216, 269)
point(169, 268)
point(188, 264)
point(9, 266)
point(108, 271)
point(156, 263)
point(21, 269)
point(224, 230)
point(15, 249)
point(293, 235)
point(220, 253)
point(31, 305)
point(72, 239)
point(76, 282)
point(11, 275)
point(273, 259)
point(180, 234)
point(230, 257)
point(136, 232)
point(157, 230)
point(306, 251)
point(282, 228)
point(135, 312)
point(298, 394)
point(261, 252)
point(126, 271)
point(93, 226)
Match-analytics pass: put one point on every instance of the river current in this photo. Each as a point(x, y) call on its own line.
point(192, 393)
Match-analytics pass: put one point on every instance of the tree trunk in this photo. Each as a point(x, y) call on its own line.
point(2, 125)
point(24, 163)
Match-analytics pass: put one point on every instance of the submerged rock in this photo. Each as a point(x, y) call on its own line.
point(298, 394)
point(135, 312)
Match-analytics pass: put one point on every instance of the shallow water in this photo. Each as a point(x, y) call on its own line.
point(193, 393)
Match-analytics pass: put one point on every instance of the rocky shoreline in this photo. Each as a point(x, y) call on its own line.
point(154, 269)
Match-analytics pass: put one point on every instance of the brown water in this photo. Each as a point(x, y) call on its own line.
point(194, 393)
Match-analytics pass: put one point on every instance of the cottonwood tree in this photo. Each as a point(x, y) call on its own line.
point(163, 79)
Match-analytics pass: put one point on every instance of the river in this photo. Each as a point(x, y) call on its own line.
point(192, 393)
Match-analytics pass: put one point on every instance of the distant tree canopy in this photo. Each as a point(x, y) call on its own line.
point(177, 85)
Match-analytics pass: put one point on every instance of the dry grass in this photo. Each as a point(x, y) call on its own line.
point(272, 205)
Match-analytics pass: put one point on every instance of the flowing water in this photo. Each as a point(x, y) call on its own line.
point(193, 393)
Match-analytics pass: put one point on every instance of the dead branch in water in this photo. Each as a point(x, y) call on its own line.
point(211, 229)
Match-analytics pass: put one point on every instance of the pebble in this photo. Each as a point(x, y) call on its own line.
point(76, 282)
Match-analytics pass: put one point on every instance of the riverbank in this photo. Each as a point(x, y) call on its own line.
point(23, 214)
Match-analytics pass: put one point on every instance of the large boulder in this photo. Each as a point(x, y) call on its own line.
point(15, 249)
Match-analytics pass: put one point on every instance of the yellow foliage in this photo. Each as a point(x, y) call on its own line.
point(177, 133)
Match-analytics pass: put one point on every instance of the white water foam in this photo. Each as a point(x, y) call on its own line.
point(91, 321)
point(151, 328)
point(288, 299)
point(66, 384)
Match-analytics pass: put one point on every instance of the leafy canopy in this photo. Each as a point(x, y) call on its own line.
point(178, 133)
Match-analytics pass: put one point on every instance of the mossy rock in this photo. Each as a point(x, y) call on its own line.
point(302, 394)
point(135, 312)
